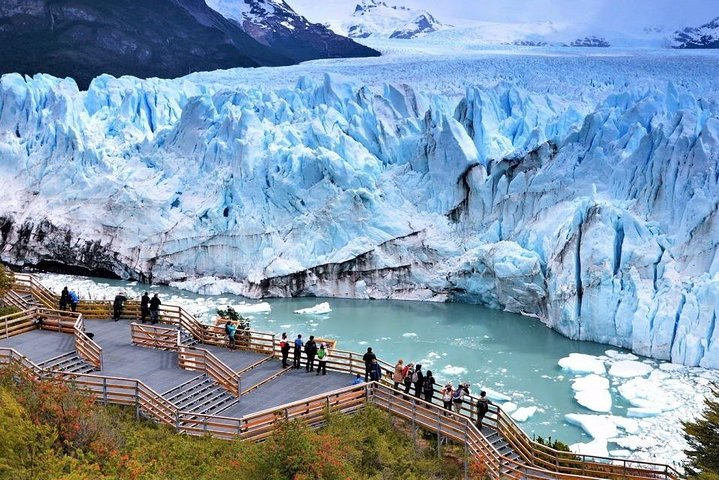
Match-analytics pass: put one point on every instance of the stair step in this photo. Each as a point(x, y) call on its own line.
point(192, 390)
point(206, 396)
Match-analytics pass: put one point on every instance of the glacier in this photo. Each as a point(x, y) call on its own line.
point(592, 207)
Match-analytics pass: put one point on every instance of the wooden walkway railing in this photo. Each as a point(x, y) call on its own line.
point(154, 336)
point(201, 360)
point(538, 462)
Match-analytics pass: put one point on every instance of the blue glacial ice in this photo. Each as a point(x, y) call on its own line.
point(597, 215)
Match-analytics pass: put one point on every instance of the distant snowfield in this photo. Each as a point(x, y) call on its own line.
point(576, 185)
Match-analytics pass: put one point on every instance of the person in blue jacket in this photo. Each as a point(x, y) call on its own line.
point(298, 352)
point(74, 300)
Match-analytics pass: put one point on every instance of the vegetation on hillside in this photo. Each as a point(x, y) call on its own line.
point(51, 431)
point(5, 280)
point(702, 435)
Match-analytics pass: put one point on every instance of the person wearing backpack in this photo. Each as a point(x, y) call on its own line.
point(230, 330)
point(367, 358)
point(428, 387)
point(407, 373)
point(311, 351)
point(418, 380)
point(322, 356)
point(483, 404)
point(447, 392)
point(375, 371)
point(458, 396)
point(285, 349)
point(297, 356)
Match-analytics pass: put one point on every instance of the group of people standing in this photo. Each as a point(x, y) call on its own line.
point(148, 306)
point(312, 351)
point(68, 297)
point(410, 375)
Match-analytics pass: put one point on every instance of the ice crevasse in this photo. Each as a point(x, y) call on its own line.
point(599, 219)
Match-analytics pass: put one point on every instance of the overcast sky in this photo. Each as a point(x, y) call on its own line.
point(615, 14)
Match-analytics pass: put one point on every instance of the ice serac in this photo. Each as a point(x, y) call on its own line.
point(599, 219)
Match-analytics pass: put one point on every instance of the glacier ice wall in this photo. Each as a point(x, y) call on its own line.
point(600, 219)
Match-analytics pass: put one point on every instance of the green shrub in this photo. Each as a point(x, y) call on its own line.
point(703, 437)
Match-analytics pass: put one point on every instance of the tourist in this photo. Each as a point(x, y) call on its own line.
point(230, 330)
point(367, 358)
point(322, 356)
point(154, 308)
point(375, 371)
point(447, 392)
point(357, 380)
point(458, 396)
point(418, 380)
point(297, 356)
point(397, 377)
point(483, 404)
point(74, 300)
point(144, 307)
point(285, 349)
point(310, 351)
point(64, 297)
point(117, 305)
point(428, 387)
point(407, 374)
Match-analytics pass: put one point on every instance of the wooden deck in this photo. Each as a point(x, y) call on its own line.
point(180, 373)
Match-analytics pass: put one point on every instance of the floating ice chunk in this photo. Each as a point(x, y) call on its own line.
point(409, 334)
point(648, 395)
point(597, 426)
point(595, 400)
point(262, 307)
point(592, 392)
point(590, 382)
point(582, 363)
point(523, 414)
point(620, 453)
point(629, 369)
point(509, 407)
point(644, 412)
point(614, 355)
point(596, 447)
point(496, 396)
point(454, 370)
point(318, 309)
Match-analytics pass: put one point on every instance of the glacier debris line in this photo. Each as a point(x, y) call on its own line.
point(601, 220)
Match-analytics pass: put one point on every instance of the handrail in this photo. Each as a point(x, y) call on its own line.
point(154, 336)
point(86, 347)
point(199, 359)
point(560, 463)
point(17, 323)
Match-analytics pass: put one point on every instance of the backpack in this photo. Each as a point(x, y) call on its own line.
point(428, 383)
point(483, 405)
point(415, 376)
point(321, 354)
point(458, 394)
point(447, 396)
point(409, 375)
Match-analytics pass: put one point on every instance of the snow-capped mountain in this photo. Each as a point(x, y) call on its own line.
point(275, 24)
point(594, 210)
point(704, 36)
point(145, 38)
point(85, 38)
point(373, 18)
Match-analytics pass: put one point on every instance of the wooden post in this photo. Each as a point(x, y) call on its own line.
point(439, 436)
point(414, 420)
point(466, 454)
point(104, 390)
point(137, 400)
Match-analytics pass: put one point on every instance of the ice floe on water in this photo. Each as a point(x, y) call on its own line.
point(660, 396)
point(409, 335)
point(318, 309)
point(582, 363)
point(452, 370)
point(592, 392)
point(523, 414)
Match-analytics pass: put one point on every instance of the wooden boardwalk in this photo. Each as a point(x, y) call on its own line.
point(180, 373)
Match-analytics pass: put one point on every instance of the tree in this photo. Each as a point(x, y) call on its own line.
point(703, 437)
point(6, 280)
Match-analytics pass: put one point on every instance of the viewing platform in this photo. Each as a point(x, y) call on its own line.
point(180, 372)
